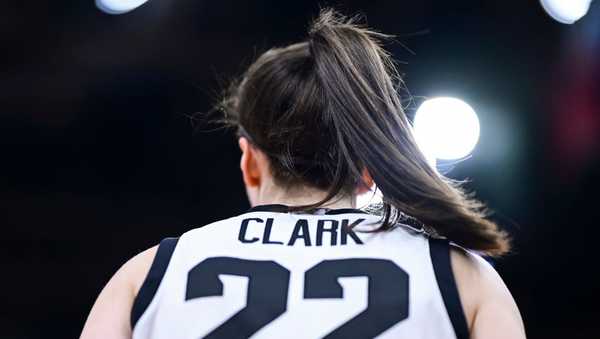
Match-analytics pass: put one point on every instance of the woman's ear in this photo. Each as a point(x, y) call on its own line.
point(248, 163)
point(366, 182)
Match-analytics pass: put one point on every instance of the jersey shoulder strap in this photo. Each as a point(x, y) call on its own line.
point(153, 279)
point(439, 249)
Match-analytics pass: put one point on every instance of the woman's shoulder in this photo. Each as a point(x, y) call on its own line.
point(487, 303)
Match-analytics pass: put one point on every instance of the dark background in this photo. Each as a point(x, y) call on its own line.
point(99, 159)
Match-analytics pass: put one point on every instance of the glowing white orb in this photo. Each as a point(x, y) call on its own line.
point(446, 128)
point(373, 196)
point(118, 6)
point(566, 11)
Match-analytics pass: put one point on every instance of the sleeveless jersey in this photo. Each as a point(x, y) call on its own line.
point(273, 274)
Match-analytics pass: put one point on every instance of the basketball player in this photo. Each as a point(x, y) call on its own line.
point(318, 123)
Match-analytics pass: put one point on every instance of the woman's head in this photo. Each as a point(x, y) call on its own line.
point(280, 109)
point(325, 113)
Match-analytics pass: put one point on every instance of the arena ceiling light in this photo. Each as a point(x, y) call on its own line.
point(118, 6)
point(446, 128)
point(566, 11)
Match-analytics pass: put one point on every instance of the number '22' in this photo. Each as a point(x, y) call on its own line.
point(268, 290)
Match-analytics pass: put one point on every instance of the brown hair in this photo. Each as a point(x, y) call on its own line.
point(325, 109)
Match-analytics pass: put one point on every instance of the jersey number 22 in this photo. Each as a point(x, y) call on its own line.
point(268, 284)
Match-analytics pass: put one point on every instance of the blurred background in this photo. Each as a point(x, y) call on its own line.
point(99, 159)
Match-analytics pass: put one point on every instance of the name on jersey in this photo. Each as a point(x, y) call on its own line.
point(324, 231)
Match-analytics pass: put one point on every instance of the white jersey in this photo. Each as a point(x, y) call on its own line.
point(274, 274)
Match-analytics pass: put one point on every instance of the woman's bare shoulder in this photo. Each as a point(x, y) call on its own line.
point(109, 317)
point(138, 267)
point(489, 307)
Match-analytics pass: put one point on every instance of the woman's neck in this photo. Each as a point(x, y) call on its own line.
point(301, 196)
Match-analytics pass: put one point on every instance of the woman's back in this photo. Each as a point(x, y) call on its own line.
point(319, 122)
point(271, 274)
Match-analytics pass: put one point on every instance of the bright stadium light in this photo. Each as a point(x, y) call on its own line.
point(566, 11)
point(118, 6)
point(446, 128)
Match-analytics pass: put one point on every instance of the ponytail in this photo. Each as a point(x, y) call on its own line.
point(325, 110)
point(357, 78)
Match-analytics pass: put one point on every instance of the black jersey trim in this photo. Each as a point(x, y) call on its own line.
point(153, 279)
point(279, 208)
point(344, 211)
point(439, 250)
point(270, 208)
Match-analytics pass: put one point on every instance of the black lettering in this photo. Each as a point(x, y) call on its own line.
point(300, 232)
point(388, 301)
point(268, 284)
point(267, 234)
point(244, 229)
point(332, 230)
point(347, 231)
